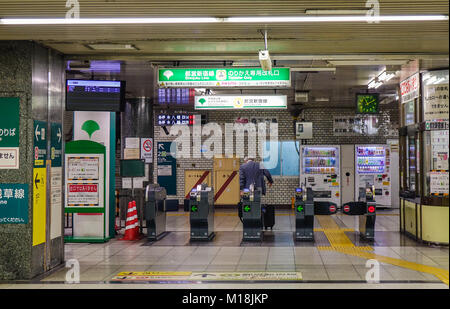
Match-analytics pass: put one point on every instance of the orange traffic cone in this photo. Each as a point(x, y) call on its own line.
point(131, 226)
point(136, 226)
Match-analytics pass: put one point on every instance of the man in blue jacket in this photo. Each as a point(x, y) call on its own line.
point(252, 173)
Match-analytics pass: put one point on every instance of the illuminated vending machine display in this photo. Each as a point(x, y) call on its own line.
point(372, 164)
point(319, 169)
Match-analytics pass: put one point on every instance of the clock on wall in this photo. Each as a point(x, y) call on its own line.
point(367, 103)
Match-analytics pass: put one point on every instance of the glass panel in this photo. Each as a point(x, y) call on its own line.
point(409, 112)
point(274, 150)
point(290, 158)
point(411, 164)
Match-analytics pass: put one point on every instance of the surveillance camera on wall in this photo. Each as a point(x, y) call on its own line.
point(264, 59)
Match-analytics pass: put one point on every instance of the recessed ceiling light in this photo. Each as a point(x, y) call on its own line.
point(111, 46)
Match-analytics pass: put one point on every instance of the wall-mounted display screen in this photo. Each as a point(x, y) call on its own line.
point(177, 96)
point(169, 119)
point(95, 95)
point(367, 103)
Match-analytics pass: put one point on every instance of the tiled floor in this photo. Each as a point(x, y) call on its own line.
point(99, 263)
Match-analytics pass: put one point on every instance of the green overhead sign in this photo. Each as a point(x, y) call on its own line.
point(224, 77)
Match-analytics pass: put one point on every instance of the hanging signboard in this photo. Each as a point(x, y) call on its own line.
point(241, 102)
point(9, 133)
point(409, 88)
point(224, 77)
point(13, 203)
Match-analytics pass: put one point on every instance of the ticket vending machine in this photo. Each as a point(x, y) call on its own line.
point(320, 170)
point(373, 167)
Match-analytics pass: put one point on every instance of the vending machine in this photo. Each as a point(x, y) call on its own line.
point(373, 166)
point(319, 169)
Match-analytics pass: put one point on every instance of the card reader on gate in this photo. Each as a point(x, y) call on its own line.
point(304, 215)
point(201, 209)
point(252, 214)
point(154, 211)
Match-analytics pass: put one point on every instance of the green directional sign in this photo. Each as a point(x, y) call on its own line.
point(40, 143)
point(194, 208)
point(247, 208)
point(299, 208)
point(224, 77)
point(56, 144)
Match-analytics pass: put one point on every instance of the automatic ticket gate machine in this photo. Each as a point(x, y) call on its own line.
point(367, 219)
point(154, 211)
point(304, 215)
point(365, 209)
point(201, 210)
point(252, 214)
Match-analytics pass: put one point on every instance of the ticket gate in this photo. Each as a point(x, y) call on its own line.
point(201, 210)
point(252, 215)
point(304, 215)
point(365, 208)
point(367, 220)
point(155, 212)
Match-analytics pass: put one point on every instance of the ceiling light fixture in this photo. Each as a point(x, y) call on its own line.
point(382, 78)
point(336, 12)
point(199, 20)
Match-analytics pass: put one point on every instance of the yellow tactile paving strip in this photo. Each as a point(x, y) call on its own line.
point(339, 242)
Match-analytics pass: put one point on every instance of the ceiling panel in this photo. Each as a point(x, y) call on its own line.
point(179, 40)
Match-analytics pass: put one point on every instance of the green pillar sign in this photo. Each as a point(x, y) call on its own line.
point(40, 143)
point(56, 144)
point(13, 203)
point(9, 133)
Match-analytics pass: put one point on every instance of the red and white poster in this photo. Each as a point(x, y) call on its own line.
point(409, 88)
point(82, 194)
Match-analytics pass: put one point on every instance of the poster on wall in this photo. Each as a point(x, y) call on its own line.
point(439, 149)
point(435, 100)
point(439, 182)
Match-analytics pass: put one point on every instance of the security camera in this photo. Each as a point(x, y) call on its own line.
point(264, 59)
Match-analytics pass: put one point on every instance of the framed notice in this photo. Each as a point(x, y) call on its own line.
point(84, 181)
point(83, 168)
point(84, 177)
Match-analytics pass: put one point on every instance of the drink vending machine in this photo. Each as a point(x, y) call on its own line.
point(373, 167)
point(319, 170)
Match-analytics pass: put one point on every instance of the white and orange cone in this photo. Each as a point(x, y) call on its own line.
point(131, 226)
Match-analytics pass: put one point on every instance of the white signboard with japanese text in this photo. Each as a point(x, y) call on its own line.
point(409, 88)
point(242, 101)
point(435, 99)
point(439, 182)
